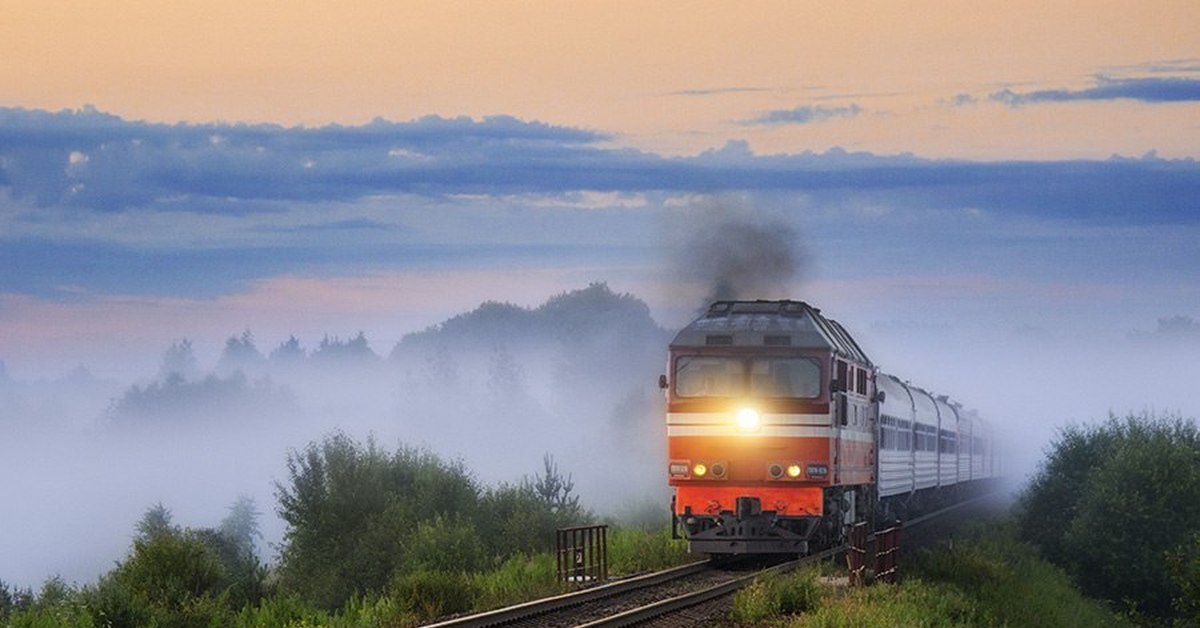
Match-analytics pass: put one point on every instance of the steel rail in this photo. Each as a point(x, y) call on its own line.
point(641, 614)
point(680, 602)
point(664, 607)
point(550, 604)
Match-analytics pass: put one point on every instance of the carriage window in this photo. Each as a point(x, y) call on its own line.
point(904, 430)
point(709, 377)
point(785, 377)
point(887, 432)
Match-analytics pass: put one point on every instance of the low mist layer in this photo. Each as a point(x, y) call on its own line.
point(498, 387)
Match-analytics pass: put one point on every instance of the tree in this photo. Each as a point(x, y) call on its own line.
point(1184, 567)
point(240, 353)
point(555, 491)
point(176, 576)
point(179, 361)
point(155, 522)
point(241, 524)
point(352, 351)
point(288, 352)
point(352, 509)
point(1113, 501)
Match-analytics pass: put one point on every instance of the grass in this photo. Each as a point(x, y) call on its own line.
point(635, 550)
point(988, 578)
point(774, 595)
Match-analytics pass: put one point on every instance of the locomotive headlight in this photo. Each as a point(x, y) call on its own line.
point(699, 470)
point(794, 470)
point(748, 419)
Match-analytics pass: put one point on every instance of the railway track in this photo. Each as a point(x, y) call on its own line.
point(655, 595)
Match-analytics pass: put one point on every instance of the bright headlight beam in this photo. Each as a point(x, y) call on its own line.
point(748, 419)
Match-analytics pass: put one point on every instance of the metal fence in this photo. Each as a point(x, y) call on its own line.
point(582, 554)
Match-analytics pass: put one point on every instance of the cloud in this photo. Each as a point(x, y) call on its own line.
point(64, 166)
point(960, 100)
point(1149, 90)
point(96, 160)
point(805, 114)
point(717, 91)
point(164, 209)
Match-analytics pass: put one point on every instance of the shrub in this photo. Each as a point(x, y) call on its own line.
point(1184, 569)
point(351, 510)
point(1112, 501)
point(281, 610)
point(429, 594)
point(444, 545)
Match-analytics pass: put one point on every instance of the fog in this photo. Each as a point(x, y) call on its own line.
point(497, 387)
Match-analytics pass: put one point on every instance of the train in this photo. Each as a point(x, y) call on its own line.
point(781, 433)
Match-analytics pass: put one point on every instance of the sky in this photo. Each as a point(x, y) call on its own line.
point(311, 168)
point(1001, 200)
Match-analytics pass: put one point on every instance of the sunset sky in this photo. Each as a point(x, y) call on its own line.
point(175, 170)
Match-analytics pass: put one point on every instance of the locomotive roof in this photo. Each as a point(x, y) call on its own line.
point(770, 324)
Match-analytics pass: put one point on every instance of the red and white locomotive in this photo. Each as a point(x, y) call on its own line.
point(780, 433)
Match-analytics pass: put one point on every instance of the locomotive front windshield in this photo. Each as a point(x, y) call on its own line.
point(700, 376)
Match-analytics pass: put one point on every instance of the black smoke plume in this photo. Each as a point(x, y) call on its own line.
point(737, 253)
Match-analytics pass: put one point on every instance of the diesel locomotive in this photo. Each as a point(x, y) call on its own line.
point(781, 433)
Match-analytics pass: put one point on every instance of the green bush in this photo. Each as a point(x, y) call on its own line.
point(57, 604)
point(351, 510)
point(444, 545)
point(281, 610)
point(1113, 501)
point(1184, 569)
point(428, 594)
point(360, 518)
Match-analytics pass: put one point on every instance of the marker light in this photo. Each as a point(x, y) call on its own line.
point(794, 470)
point(748, 419)
point(699, 470)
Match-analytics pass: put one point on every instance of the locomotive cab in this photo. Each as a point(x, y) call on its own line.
point(770, 428)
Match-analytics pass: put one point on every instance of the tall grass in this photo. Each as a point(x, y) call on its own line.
point(635, 550)
point(987, 578)
point(773, 595)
